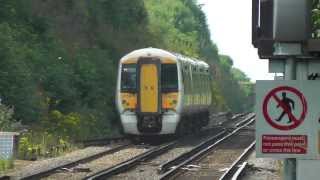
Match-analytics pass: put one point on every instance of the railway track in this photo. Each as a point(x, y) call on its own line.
point(235, 171)
point(102, 141)
point(131, 162)
point(174, 168)
point(4, 178)
point(140, 158)
point(67, 165)
point(148, 169)
point(97, 166)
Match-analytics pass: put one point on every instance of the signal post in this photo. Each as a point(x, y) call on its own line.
point(288, 110)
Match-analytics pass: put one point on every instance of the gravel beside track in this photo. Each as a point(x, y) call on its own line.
point(100, 164)
point(262, 169)
point(18, 165)
point(149, 170)
point(213, 165)
point(44, 165)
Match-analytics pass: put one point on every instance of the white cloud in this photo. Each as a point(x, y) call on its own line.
point(230, 26)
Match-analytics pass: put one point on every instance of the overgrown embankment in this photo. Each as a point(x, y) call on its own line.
point(58, 59)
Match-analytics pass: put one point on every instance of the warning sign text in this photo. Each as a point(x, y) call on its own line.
point(288, 144)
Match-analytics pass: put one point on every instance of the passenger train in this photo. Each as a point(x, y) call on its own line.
point(162, 93)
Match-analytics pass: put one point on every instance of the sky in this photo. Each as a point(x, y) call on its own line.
point(230, 26)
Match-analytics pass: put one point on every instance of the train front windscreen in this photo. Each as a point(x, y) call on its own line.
point(169, 78)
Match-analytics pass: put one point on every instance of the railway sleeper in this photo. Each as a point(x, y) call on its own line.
point(192, 123)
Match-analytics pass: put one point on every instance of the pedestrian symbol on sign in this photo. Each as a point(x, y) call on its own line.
point(289, 105)
point(275, 108)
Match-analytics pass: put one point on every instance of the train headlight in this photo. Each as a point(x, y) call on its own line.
point(169, 100)
point(128, 101)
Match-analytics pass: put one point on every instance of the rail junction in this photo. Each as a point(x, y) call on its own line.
point(169, 160)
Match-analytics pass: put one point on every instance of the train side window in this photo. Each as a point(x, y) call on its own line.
point(194, 81)
point(129, 78)
point(197, 82)
point(187, 82)
point(190, 79)
point(200, 82)
point(184, 76)
point(208, 79)
point(191, 76)
point(203, 84)
point(209, 83)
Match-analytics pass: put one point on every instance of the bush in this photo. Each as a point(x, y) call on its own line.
point(6, 119)
point(5, 165)
point(35, 144)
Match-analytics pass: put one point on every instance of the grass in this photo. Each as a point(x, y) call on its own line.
point(5, 165)
point(35, 145)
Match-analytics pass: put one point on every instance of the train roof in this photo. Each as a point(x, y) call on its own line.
point(154, 52)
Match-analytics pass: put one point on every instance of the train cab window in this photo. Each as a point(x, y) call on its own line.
point(169, 78)
point(129, 78)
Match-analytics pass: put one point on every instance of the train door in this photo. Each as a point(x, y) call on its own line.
point(149, 79)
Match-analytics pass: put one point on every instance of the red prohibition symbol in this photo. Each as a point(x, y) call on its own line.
point(296, 120)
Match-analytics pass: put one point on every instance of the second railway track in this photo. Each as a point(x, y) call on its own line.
point(216, 160)
point(143, 169)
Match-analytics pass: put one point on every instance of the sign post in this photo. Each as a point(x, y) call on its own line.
point(288, 119)
point(288, 122)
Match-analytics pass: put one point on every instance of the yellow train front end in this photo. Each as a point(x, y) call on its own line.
point(148, 92)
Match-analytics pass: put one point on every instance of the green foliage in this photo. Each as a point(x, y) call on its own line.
point(315, 18)
point(218, 101)
point(58, 60)
point(5, 164)
point(38, 143)
point(6, 118)
point(16, 80)
point(235, 86)
point(239, 75)
point(175, 26)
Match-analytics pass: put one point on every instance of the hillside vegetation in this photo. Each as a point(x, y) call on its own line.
point(58, 59)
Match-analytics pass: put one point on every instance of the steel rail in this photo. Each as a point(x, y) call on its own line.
point(4, 177)
point(236, 116)
point(244, 121)
point(121, 167)
point(174, 169)
point(166, 166)
point(73, 163)
point(240, 171)
point(231, 172)
point(101, 141)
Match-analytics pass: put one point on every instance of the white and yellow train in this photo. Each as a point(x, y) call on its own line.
point(159, 92)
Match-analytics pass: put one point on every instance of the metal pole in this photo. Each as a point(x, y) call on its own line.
point(289, 165)
point(302, 70)
point(290, 69)
point(289, 169)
